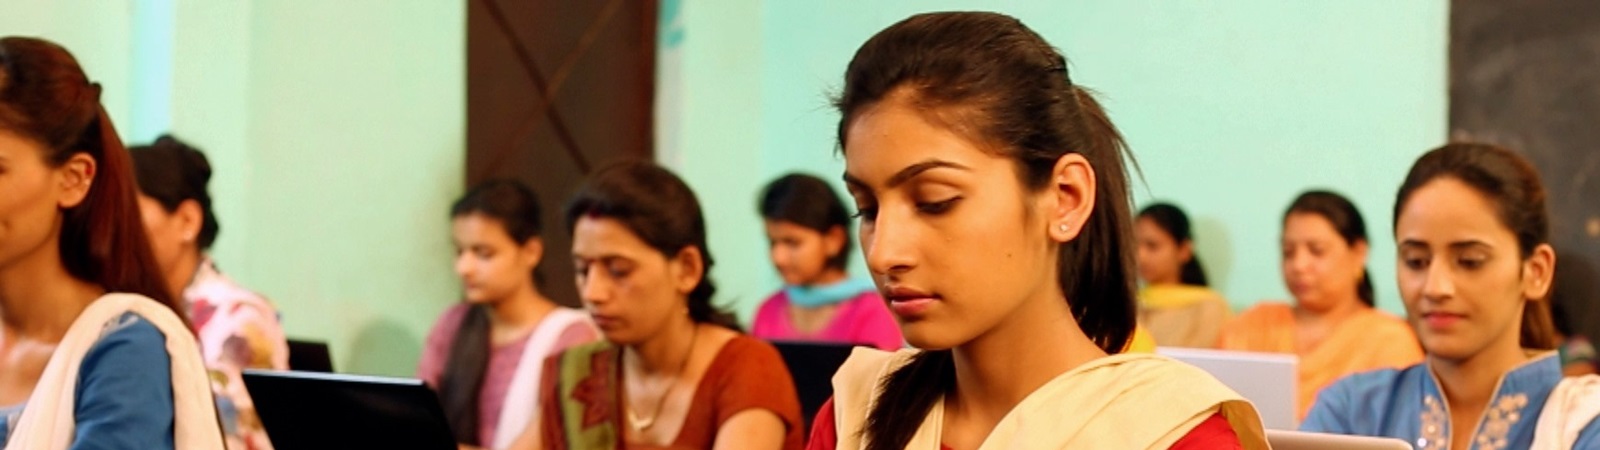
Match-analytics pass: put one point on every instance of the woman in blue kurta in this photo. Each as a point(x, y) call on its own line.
point(93, 352)
point(1475, 267)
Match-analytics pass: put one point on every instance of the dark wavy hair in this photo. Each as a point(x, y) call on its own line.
point(662, 211)
point(997, 81)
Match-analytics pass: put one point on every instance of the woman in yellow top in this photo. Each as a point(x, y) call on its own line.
point(994, 218)
point(1332, 324)
point(1175, 304)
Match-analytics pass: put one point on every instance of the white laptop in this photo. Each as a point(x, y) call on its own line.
point(1266, 379)
point(1295, 440)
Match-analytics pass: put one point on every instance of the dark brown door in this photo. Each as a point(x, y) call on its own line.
point(1524, 74)
point(555, 88)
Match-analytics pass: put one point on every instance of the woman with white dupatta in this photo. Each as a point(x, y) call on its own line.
point(93, 351)
point(1475, 268)
point(485, 355)
point(995, 220)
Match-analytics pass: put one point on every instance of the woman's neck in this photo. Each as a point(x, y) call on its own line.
point(1469, 383)
point(522, 310)
point(991, 380)
point(827, 277)
point(1331, 316)
point(39, 300)
point(183, 272)
point(665, 352)
point(1164, 281)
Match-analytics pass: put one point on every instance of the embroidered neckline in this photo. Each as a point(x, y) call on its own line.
point(1493, 426)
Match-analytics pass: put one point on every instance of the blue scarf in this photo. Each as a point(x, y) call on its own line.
point(828, 294)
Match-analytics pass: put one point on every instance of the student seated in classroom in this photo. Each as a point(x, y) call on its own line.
point(672, 372)
point(994, 214)
point(238, 329)
point(1332, 324)
point(97, 351)
point(1175, 303)
point(1474, 269)
point(485, 355)
point(808, 232)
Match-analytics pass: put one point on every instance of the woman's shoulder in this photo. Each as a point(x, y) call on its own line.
point(775, 302)
point(744, 350)
point(867, 303)
point(1179, 294)
point(211, 285)
point(1267, 326)
point(771, 314)
point(129, 346)
point(867, 366)
point(1373, 387)
point(1364, 402)
point(1573, 406)
point(450, 319)
point(130, 329)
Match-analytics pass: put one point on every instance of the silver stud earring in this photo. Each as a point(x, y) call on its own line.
point(1065, 228)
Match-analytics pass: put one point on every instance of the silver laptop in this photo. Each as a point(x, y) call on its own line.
point(1266, 379)
point(1295, 440)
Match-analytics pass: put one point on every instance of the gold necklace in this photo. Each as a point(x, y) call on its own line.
point(643, 423)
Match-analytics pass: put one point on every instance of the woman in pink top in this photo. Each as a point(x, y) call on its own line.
point(809, 233)
point(237, 328)
point(485, 355)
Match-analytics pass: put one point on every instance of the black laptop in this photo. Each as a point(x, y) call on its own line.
point(312, 411)
point(309, 356)
point(812, 365)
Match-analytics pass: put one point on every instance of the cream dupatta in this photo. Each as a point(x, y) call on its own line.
point(1126, 401)
point(48, 422)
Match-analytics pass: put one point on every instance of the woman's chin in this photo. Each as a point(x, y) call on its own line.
point(923, 337)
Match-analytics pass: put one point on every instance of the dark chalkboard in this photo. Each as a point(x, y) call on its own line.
point(1526, 74)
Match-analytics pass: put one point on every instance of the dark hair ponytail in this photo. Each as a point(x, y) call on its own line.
point(1003, 84)
point(1513, 186)
point(516, 207)
point(1175, 222)
point(463, 374)
point(46, 97)
point(172, 172)
point(1346, 220)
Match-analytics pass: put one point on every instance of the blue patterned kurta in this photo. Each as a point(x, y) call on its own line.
point(1407, 404)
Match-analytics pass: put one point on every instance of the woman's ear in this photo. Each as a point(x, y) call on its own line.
point(532, 251)
point(75, 178)
point(687, 269)
point(833, 240)
point(1538, 272)
point(1070, 197)
point(1358, 252)
point(190, 219)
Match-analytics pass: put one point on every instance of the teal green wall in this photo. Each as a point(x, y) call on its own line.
point(1231, 108)
point(336, 131)
point(337, 128)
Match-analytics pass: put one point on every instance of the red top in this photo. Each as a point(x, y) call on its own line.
point(1213, 433)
